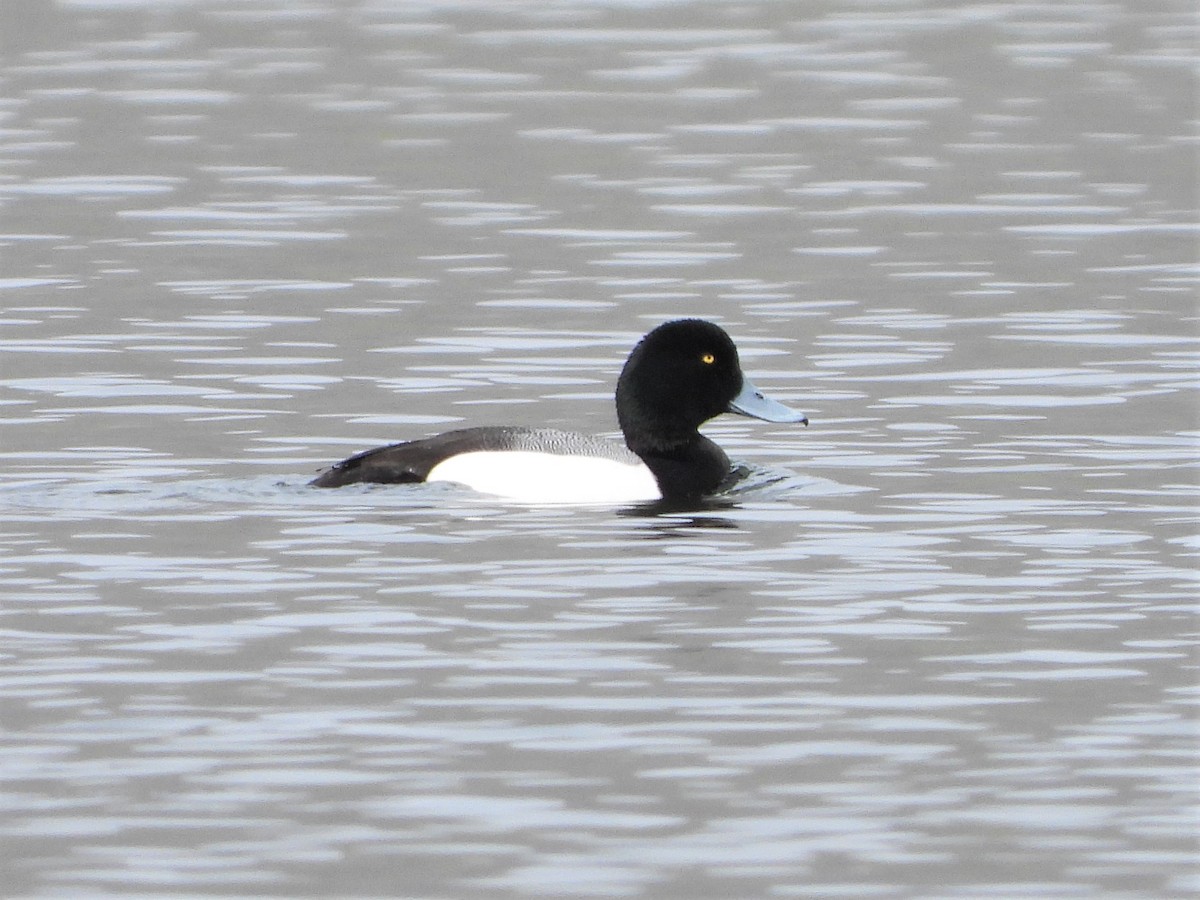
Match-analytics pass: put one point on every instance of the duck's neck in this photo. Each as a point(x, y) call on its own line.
point(688, 469)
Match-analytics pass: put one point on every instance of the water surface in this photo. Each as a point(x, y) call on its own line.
point(942, 645)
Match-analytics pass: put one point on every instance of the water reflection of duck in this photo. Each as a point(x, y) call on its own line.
point(679, 376)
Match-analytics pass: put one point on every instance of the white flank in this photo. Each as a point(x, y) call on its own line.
point(533, 477)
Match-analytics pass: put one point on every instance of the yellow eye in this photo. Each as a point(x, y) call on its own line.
point(708, 359)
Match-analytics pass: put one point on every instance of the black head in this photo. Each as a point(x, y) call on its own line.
point(679, 376)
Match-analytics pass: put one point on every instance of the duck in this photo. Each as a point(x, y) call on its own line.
point(678, 376)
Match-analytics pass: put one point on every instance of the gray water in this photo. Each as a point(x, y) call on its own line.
point(941, 644)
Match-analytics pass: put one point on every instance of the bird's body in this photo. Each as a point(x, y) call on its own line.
point(680, 375)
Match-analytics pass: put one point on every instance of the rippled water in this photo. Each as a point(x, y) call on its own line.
point(942, 644)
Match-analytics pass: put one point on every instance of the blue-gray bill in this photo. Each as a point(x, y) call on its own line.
point(754, 403)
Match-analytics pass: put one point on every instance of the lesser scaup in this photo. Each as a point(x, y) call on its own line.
point(679, 376)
